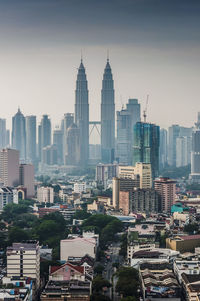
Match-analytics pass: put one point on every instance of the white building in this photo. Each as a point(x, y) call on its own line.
point(8, 195)
point(45, 195)
point(189, 267)
point(78, 247)
point(79, 187)
point(23, 260)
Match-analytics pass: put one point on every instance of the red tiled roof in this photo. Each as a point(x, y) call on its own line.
point(54, 268)
point(189, 237)
point(79, 269)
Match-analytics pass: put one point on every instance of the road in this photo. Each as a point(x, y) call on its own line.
point(110, 270)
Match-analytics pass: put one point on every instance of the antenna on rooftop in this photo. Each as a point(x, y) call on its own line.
point(145, 110)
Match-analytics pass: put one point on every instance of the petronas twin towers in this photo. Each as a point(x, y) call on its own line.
point(107, 115)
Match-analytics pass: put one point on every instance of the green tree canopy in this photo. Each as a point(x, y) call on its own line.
point(128, 281)
point(15, 234)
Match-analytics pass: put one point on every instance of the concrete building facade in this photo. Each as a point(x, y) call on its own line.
point(9, 167)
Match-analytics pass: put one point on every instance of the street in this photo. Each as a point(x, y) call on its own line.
point(110, 270)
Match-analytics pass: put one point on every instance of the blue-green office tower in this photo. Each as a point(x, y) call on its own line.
point(146, 145)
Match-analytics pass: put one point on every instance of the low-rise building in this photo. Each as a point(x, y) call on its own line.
point(45, 195)
point(67, 272)
point(79, 187)
point(189, 267)
point(158, 282)
point(78, 247)
point(153, 255)
point(185, 243)
point(191, 286)
point(66, 290)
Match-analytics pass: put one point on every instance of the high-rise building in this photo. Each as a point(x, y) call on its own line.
point(23, 260)
point(9, 167)
point(72, 154)
point(31, 139)
point(123, 184)
point(58, 142)
point(8, 195)
point(166, 188)
point(26, 179)
point(66, 123)
point(3, 142)
point(163, 148)
point(183, 151)
point(19, 134)
point(39, 148)
point(7, 138)
point(124, 146)
point(45, 131)
point(105, 173)
point(146, 145)
point(195, 154)
point(50, 155)
point(174, 132)
point(107, 116)
point(82, 113)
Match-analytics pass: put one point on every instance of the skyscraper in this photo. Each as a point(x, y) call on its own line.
point(3, 133)
point(195, 155)
point(107, 116)
point(58, 142)
point(183, 151)
point(124, 146)
point(44, 134)
point(72, 155)
point(174, 132)
point(66, 123)
point(9, 167)
point(146, 145)
point(31, 139)
point(19, 134)
point(163, 148)
point(82, 113)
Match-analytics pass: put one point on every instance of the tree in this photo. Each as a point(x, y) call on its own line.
point(81, 214)
point(191, 228)
point(15, 234)
point(129, 298)
point(99, 297)
point(99, 283)
point(99, 269)
point(128, 281)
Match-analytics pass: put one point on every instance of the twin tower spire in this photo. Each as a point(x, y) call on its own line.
point(107, 114)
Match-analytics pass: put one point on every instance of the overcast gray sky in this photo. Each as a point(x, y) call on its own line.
point(154, 49)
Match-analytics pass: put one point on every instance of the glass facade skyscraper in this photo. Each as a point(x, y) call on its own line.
point(146, 145)
point(107, 116)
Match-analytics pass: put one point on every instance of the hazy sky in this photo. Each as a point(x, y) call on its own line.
point(154, 49)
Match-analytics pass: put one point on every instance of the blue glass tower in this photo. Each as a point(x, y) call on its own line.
point(146, 145)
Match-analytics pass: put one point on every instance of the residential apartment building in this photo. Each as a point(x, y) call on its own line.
point(8, 195)
point(9, 167)
point(45, 195)
point(166, 188)
point(26, 179)
point(23, 259)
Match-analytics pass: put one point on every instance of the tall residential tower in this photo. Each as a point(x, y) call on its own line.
point(107, 116)
point(19, 134)
point(82, 113)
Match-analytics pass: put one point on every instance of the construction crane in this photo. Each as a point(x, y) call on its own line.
point(145, 110)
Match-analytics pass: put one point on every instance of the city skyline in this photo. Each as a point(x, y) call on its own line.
point(43, 40)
